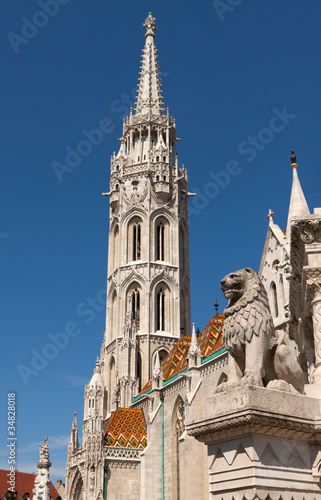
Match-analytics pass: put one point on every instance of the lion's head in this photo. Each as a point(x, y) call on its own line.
point(242, 287)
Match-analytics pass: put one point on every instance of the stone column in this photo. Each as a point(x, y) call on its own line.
point(314, 290)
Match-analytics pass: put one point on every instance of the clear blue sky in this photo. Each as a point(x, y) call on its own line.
point(228, 74)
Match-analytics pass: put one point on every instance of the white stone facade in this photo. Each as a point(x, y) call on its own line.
point(262, 443)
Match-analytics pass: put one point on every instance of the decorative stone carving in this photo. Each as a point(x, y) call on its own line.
point(314, 294)
point(180, 418)
point(255, 354)
point(309, 229)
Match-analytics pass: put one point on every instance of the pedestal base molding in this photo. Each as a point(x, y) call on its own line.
point(262, 444)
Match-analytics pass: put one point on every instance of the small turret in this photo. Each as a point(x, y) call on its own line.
point(74, 441)
point(298, 205)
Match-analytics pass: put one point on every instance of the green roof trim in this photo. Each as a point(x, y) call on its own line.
point(166, 382)
point(140, 396)
point(214, 355)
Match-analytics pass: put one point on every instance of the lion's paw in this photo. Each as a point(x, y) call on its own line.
point(252, 378)
point(281, 385)
point(225, 386)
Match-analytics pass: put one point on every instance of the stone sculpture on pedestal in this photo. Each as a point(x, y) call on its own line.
point(256, 354)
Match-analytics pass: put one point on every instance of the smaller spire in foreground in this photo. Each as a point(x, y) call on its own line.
point(298, 205)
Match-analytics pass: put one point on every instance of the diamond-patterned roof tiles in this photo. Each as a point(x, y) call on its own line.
point(126, 428)
point(209, 341)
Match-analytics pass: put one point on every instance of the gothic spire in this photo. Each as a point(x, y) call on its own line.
point(149, 94)
point(298, 205)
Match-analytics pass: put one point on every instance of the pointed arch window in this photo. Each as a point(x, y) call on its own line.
point(136, 241)
point(135, 299)
point(139, 371)
point(160, 241)
point(275, 306)
point(160, 310)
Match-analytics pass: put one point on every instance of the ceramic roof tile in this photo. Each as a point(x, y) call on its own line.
point(126, 428)
point(209, 341)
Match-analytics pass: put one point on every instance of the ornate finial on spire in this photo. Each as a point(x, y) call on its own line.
point(97, 367)
point(150, 25)
point(293, 159)
point(216, 305)
point(46, 439)
point(270, 217)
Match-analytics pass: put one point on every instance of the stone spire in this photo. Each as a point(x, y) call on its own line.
point(194, 354)
point(149, 98)
point(298, 205)
point(42, 482)
point(74, 442)
point(157, 381)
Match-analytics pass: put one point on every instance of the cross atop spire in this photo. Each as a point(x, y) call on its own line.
point(149, 98)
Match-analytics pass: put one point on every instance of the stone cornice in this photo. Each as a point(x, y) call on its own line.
point(254, 422)
point(249, 410)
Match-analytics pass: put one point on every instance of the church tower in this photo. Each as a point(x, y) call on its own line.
point(148, 278)
point(148, 282)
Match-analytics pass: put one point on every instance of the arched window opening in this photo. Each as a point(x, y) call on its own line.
point(117, 187)
point(282, 297)
point(139, 371)
point(136, 241)
point(138, 159)
point(181, 249)
point(162, 355)
point(157, 158)
point(164, 158)
point(160, 241)
point(275, 307)
point(136, 307)
point(160, 310)
point(116, 247)
point(111, 380)
point(164, 178)
point(77, 488)
point(157, 178)
point(117, 168)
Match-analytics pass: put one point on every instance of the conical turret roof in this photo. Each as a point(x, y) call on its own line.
point(298, 205)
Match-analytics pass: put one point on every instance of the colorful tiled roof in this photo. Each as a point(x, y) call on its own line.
point(209, 341)
point(24, 483)
point(126, 429)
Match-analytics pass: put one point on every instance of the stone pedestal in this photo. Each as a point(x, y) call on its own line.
point(261, 444)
